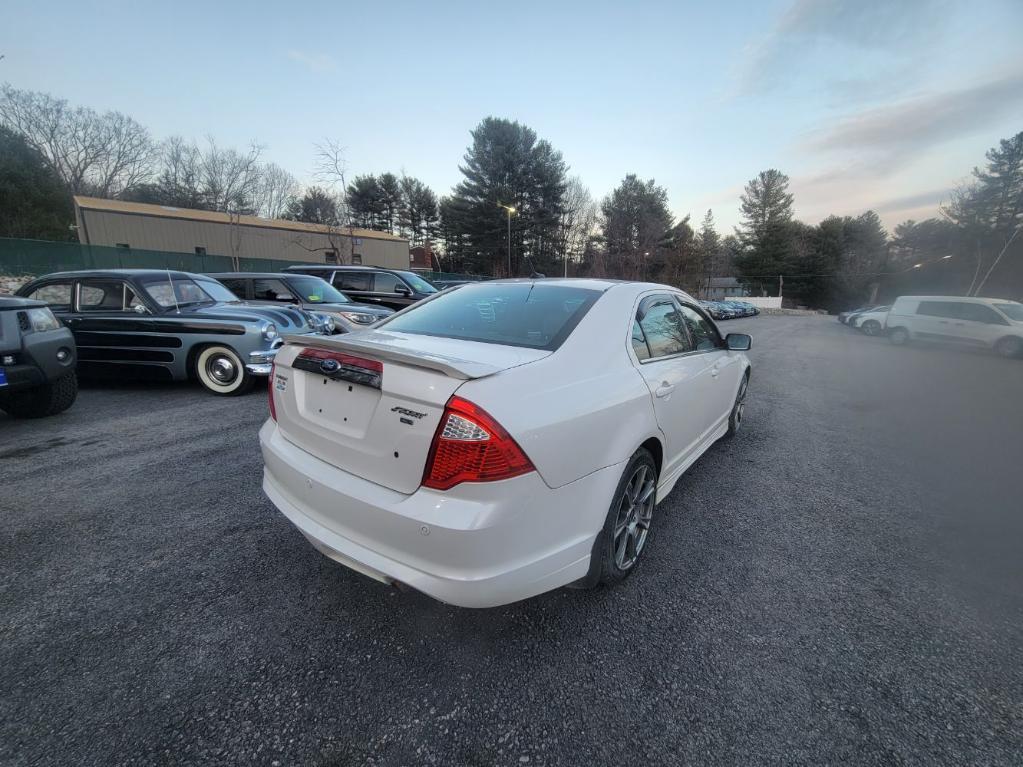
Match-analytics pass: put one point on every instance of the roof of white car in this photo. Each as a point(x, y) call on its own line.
point(967, 299)
point(592, 283)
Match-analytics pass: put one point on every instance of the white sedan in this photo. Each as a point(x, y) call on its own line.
point(501, 439)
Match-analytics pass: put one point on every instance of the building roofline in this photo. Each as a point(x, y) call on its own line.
point(215, 217)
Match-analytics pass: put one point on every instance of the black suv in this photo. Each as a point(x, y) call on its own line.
point(305, 290)
point(37, 360)
point(394, 288)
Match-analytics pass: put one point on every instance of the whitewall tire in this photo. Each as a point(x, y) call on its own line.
point(221, 371)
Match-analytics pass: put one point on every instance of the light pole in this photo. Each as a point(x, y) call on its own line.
point(511, 210)
point(646, 255)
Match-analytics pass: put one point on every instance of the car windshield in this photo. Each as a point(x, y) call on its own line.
point(531, 314)
point(182, 291)
point(1012, 311)
point(418, 283)
point(317, 291)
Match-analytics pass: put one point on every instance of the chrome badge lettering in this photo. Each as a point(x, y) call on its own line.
point(406, 411)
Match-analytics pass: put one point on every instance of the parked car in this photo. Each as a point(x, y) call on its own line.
point(991, 323)
point(503, 439)
point(393, 288)
point(845, 316)
point(161, 325)
point(37, 360)
point(871, 322)
point(717, 310)
point(311, 293)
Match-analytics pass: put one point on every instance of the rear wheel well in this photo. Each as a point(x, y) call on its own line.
point(653, 446)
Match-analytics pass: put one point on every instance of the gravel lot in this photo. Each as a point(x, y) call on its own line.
point(841, 583)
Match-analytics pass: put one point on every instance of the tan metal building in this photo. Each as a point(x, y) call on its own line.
point(203, 232)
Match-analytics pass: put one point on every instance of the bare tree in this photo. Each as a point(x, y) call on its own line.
point(230, 180)
point(277, 193)
point(330, 170)
point(105, 155)
point(578, 221)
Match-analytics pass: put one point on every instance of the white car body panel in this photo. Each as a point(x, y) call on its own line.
point(347, 471)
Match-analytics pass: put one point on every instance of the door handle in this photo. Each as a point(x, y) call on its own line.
point(664, 389)
point(714, 371)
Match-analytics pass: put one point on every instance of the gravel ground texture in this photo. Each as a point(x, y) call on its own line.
point(841, 583)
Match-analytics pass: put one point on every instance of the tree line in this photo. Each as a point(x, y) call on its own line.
point(50, 150)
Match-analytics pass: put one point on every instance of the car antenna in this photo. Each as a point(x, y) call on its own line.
point(170, 283)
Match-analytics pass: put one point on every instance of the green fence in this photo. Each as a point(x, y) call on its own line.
point(36, 257)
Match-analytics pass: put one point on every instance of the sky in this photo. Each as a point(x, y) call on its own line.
point(865, 104)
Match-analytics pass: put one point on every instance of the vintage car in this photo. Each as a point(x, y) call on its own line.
point(161, 325)
point(309, 292)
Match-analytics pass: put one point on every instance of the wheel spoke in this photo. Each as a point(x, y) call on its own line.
point(647, 491)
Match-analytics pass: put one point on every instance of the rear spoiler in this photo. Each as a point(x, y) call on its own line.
point(453, 367)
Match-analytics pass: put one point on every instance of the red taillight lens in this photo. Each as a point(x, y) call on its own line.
point(270, 391)
point(470, 446)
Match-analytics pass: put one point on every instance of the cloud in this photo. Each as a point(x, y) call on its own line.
point(913, 202)
point(813, 35)
point(316, 62)
point(889, 137)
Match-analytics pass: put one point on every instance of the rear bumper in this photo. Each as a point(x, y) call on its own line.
point(477, 545)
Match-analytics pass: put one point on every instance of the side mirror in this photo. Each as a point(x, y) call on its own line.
point(402, 290)
point(738, 342)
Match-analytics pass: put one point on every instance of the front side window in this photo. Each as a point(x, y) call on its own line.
point(106, 296)
point(57, 295)
point(703, 333)
point(533, 315)
point(418, 283)
point(176, 292)
point(1012, 311)
point(271, 290)
point(980, 313)
point(663, 326)
point(385, 282)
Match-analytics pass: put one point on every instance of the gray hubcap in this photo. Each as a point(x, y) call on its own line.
point(221, 369)
point(632, 523)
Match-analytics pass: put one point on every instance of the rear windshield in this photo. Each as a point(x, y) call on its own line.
point(534, 315)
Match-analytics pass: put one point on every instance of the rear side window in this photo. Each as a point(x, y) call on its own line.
point(105, 296)
point(270, 290)
point(353, 280)
point(235, 286)
point(57, 295)
point(947, 309)
point(534, 315)
point(663, 326)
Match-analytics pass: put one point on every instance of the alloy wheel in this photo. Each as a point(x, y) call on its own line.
point(632, 523)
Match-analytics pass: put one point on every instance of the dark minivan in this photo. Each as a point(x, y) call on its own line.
point(394, 288)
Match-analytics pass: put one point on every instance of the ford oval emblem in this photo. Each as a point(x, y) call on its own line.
point(330, 366)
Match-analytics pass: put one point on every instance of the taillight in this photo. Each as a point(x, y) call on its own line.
point(270, 391)
point(470, 446)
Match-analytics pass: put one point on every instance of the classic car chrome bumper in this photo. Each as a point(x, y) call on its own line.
point(261, 363)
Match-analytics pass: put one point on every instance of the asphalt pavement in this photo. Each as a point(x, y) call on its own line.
point(841, 583)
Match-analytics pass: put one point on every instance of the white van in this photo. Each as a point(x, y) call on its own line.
point(992, 323)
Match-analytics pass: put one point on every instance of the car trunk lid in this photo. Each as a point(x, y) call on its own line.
point(369, 402)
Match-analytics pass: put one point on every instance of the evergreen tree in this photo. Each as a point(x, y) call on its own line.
point(635, 226)
point(767, 237)
point(316, 206)
point(34, 202)
point(506, 165)
point(365, 201)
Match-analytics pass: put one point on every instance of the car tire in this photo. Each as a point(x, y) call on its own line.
point(1009, 347)
point(898, 336)
point(738, 409)
point(49, 399)
point(871, 327)
point(626, 530)
point(221, 371)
